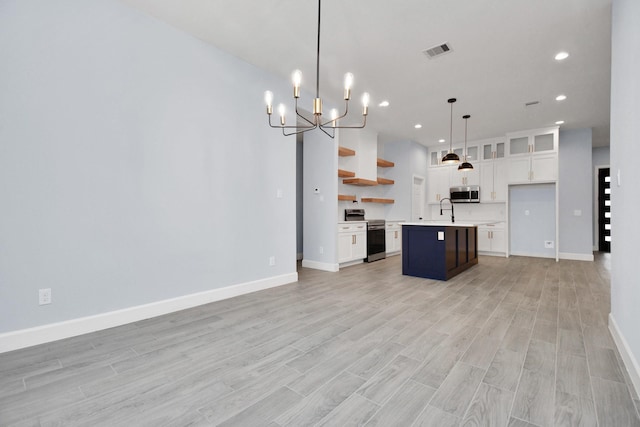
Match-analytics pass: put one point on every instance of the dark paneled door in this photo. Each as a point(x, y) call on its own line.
point(604, 210)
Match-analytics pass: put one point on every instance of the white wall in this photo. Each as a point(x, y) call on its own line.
point(532, 219)
point(599, 159)
point(319, 208)
point(625, 152)
point(576, 194)
point(136, 164)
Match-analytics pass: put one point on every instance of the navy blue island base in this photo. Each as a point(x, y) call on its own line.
point(438, 251)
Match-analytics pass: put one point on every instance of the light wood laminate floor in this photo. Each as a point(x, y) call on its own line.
point(511, 342)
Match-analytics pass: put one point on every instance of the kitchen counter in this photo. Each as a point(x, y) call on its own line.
point(438, 249)
point(463, 223)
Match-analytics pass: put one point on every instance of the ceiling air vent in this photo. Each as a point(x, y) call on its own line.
point(437, 50)
point(529, 104)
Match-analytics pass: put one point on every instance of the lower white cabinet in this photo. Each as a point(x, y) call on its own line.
point(491, 238)
point(393, 240)
point(352, 241)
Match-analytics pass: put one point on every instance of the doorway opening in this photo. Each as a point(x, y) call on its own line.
point(417, 198)
point(604, 210)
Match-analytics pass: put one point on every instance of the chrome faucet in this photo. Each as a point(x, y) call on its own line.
point(453, 218)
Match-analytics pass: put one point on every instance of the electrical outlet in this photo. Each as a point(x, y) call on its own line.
point(44, 296)
point(548, 244)
point(272, 261)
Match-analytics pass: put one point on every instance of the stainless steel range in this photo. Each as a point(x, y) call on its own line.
point(376, 247)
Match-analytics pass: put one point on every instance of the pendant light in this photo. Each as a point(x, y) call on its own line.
point(451, 157)
point(465, 166)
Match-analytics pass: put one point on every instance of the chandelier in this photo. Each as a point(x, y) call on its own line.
point(316, 122)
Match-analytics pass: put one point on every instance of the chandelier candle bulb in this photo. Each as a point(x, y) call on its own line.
point(281, 111)
point(365, 103)
point(348, 83)
point(268, 99)
point(296, 78)
point(334, 116)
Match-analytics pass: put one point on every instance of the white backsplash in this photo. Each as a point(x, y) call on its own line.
point(470, 211)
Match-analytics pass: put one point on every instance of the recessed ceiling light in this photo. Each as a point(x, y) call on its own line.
point(560, 122)
point(418, 126)
point(561, 97)
point(384, 104)
point(441, 140)
point(561, 55)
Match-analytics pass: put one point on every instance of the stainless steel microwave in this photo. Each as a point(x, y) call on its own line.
point(468, 194)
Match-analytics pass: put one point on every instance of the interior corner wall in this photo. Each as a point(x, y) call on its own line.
point(136, 165)
point(575, 194)
point(625, 152)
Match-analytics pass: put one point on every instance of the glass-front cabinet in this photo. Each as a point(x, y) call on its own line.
point(533, 156)
point(530, 142)
point(493, 150)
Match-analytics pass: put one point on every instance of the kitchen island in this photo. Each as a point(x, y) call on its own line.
point(438, 250)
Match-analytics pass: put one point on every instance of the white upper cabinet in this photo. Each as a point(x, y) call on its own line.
point(459, 178)
point(438, 184)
point(493, 185)
point(534, 141)
point(492, 149)
point(533, 156)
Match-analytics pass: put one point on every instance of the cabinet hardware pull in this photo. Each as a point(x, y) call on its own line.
point(396, 235)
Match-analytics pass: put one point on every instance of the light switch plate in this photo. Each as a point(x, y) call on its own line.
point(440, 235)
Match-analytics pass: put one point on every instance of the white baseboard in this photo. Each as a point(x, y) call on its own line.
point(498, 254)
point(576, 257)
point(324, 266)
point(630, 361)
point(15, 340)
point(350, 263)
point(533, 255)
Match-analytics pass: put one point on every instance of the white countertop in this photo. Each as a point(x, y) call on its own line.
point(429, 223)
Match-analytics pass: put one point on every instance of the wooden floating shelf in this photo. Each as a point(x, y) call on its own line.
point(385, 181)
point(385, 163)
point(359, 181)
point(344, 151)
point(347, 197)
point(376, 200)
point(345, 174)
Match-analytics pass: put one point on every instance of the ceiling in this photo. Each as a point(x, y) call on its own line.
point(502, 57)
